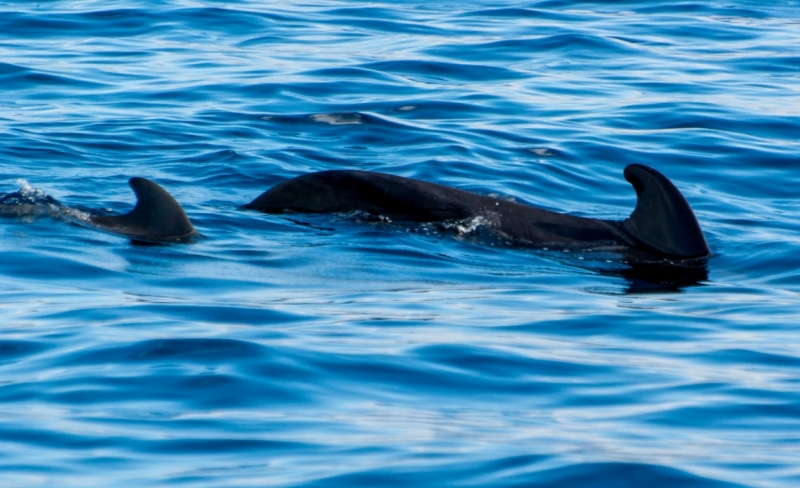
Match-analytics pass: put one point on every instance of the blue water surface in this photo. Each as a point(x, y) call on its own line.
point(333, 350)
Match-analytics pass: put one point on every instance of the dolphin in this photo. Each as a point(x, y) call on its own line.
point(662, 223)
point(156, 217)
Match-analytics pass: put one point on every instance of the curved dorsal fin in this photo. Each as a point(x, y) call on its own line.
point(663, 219)
point(157, 216)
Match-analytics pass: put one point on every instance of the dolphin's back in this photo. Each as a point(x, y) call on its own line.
point(376, 193)
point(662, 223)
point(407, 199)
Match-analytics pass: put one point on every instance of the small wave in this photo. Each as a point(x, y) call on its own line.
point(16, 77)
point(577, 45)
point(438, 70)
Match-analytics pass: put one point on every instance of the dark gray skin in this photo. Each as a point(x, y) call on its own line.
point(662, 222)
point(157, 216)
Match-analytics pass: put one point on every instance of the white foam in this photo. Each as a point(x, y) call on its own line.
point(27, 191)
point(470, 225)
point(74, 214)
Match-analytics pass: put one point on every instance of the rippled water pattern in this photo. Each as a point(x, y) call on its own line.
point(335, 350)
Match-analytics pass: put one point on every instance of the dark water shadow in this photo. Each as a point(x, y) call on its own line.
point(644, 272)
point(661, 276)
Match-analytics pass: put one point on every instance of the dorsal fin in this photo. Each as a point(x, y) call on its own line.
point(157, 216)
point(663, 219)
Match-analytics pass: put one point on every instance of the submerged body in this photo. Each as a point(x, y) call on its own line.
point(27, 204)
point(662, 223)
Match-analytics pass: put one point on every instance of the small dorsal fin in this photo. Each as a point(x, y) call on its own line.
point(157, 216)
point(663, 220)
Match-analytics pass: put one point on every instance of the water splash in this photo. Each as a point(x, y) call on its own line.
point(74, 215)
point(29, 192)
point(470, 225)
point(28, 198)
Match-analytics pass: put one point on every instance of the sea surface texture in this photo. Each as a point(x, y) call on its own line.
point(349, 350)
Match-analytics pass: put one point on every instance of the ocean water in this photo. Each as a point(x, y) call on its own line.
point(334, 350)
